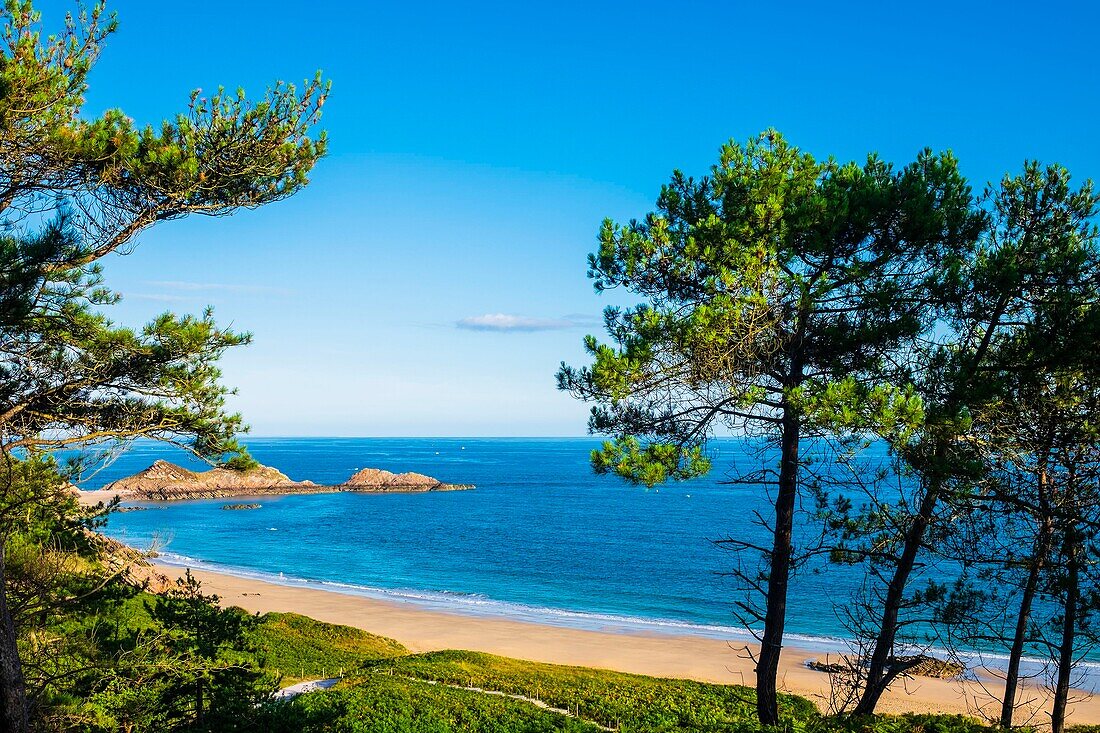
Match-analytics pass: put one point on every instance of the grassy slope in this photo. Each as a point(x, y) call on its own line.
point(633, 701)
point(388, 690)
point(298, 647)
point(292, 646)
point(391, 691)
point(380, 703)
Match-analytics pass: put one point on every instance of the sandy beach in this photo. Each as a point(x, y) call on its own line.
point(91, 498)
point(662, 655)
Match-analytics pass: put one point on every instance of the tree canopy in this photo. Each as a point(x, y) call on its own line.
point(73, 190)
point(783, 296)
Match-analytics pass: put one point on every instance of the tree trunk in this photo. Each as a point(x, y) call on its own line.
point(1065, 650)
point(879, 675)
point(13, 694)
point(198, 701)
point(1016, 653)
point(1023, 619)
point(771, 643)
point(878, 672)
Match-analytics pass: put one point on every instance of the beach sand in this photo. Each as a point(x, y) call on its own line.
point(91, 498)
point(657, 654)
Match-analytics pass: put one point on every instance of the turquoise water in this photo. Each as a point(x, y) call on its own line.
point(540, 538)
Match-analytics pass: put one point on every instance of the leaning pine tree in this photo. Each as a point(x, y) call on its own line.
point(778, 290)
point(1048, 390)
point(1033, 258)
point(72, 191)
point(1039, 422)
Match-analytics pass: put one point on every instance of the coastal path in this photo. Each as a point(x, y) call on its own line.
point(523, 698)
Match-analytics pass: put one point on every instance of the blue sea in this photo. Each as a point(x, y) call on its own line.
point(540, 538)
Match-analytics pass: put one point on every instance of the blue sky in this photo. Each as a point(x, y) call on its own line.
point(432, 276)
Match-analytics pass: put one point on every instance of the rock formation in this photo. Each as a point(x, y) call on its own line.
point(164, 481)
point(919, 664)
point(376, 479)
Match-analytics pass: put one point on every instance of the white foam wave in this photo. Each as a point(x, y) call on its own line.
point(476, 604)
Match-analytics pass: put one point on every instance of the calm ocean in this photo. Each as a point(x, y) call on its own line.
point(540, 538)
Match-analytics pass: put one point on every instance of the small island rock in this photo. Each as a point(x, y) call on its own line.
point(377, 479)
point(164, 481)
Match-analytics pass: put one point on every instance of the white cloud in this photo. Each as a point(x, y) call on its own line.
point(508, 322)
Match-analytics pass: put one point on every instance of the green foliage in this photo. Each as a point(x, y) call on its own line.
point(273, 134)
point(199, 625)
point(74, 189)
point(909, 723)
point(137, 658)
point(100, 381)
point(172, 662)
point(149, 683)
point(778, 282)
point(650, 465)
point(37, 508)
point(298, 647)
point(92, 185)
point(392, 696)
point(241, 462)
point(394, 705)
point(1008, 377)
point(849, 405)
point(635, 702)
point(781, 298)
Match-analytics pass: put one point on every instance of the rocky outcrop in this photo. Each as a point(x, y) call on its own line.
point(907, 666)
point(377, 479)
point(927, 666)
point(164, 481)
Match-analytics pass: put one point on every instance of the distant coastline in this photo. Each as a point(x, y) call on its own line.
point(164, 481)
point(90, 497)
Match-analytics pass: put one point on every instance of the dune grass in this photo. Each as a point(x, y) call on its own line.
point(387, 689)
point(636, 703)
point(631, 702)
point(297, 647)
point(380, 703)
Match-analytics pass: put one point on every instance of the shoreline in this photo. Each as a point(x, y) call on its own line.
point(479, 607)
point(654, 653)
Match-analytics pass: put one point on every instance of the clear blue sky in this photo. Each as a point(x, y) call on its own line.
point(476, 147)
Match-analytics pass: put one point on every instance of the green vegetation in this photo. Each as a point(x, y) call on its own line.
point(820, 307)
point(773, 305)
point(394, 705)
point(392, 695)
point(297, 647)
point(241, 462)
point(795, 299)
point(148, 681)
point(632, 701)
point(76, 188)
